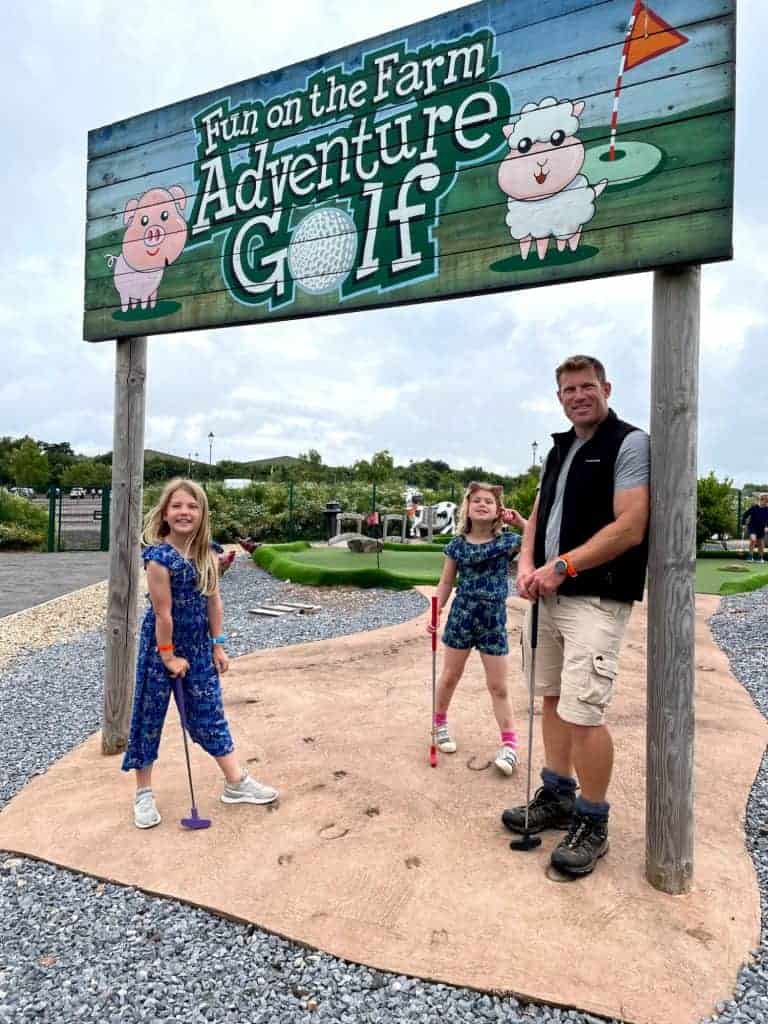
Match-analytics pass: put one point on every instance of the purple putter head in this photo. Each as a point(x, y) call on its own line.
point(195, 821)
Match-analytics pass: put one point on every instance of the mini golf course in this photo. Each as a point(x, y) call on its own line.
point(401, 566)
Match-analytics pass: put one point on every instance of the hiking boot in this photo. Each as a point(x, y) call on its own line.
point(443, 740)
point(248, 791)
point(548, 809)
point(145, 812)
point(506, 760)
point(582, 848)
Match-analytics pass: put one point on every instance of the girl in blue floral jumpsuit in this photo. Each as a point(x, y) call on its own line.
point(480, 554)
point(181, 639)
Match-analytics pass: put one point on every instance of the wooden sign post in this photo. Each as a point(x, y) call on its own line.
point(488, 149)
point(671, 578)
point(124, 534)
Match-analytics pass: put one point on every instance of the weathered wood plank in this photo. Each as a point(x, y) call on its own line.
point(585, 56)
point(671, 567)
point(575, 25)
point(699, 236)
point(702, 76)
point(708, 135)
point(672, 192)
point(125, 530)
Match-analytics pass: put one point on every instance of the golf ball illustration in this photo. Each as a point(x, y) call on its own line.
point(322, 250)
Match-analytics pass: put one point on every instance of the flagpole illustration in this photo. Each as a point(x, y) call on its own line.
point(647, 36)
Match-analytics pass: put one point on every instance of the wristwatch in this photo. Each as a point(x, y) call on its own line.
point(565, 566)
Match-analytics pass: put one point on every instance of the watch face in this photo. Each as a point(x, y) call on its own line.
point(561, 565)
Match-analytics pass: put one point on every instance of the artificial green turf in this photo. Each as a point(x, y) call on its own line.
point(409, 565)
point(399, 569)
point(715, 576)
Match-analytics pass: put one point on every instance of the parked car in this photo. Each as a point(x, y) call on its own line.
point(23, 492)
point(77, 492)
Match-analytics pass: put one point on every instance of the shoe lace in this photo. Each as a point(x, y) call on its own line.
point(578, 829)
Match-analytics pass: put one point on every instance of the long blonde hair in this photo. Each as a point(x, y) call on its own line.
point(198, 550)
point(465, 521)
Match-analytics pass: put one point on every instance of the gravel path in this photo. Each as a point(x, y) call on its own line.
point(73, 949)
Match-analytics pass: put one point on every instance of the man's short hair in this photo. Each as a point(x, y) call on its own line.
point(573, 363)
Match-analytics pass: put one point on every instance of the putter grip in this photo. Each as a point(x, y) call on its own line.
point(534, 625)
point(179, 694)
point(434, 623)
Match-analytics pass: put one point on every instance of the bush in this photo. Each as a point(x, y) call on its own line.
point(22, 524)
point(261, 510)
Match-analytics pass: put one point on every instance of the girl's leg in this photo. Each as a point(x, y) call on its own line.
point(230, 765)
point(454, 661)
point(495, 666)
point(144, 777)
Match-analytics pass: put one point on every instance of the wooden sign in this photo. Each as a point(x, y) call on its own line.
point(500, 146)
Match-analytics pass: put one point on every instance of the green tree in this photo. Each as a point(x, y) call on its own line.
point(29, 466)
point(60, 456)
point(522, 496)
point(714, 508)
point(86, 473)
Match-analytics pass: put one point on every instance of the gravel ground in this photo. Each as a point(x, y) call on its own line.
point(74, 949)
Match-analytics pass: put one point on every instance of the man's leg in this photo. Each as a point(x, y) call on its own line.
point(558, 739)
point(593, 757)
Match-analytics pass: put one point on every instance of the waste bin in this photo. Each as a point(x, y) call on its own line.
point(332, 508)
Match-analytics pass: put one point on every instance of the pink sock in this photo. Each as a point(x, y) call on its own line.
point(509, 739)
point(441, 718)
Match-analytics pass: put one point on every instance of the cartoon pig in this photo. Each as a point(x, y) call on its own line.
point(548, 195)
point(156, 233)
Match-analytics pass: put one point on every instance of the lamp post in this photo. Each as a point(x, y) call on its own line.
point(210, 454)
point(189, 463)
point(534, 446)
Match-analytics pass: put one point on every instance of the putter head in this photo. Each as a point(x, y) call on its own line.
point(194, 821)
point(526, 842)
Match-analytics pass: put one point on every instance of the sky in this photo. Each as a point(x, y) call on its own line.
point(469, 381)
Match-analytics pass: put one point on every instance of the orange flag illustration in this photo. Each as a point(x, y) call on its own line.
point(647, 36)
point(650, 37)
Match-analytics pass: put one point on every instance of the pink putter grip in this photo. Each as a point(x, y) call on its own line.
point(434, 623)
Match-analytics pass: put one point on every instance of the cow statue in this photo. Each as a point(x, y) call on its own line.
point(443, 518)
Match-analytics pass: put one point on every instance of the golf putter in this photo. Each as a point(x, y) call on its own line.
point(194, 821)
point(433, 747)
point(526, 840)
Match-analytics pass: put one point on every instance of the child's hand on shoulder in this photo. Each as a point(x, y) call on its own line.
point(176, 667)
point(220, 659)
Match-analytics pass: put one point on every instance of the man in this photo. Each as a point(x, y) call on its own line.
point(583, 558)
point(756, 521)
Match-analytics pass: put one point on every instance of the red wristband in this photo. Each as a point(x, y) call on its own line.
point(162, 648)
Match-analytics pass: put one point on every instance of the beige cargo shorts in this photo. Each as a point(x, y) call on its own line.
point(577, 654)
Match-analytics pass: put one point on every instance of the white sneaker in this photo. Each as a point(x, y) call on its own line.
point(145, 812)
point(443, 740)
point(248, 791)
point(506, 760)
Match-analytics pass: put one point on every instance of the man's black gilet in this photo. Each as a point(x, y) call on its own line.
point(587, 508)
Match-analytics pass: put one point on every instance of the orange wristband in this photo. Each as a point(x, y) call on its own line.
point(161, 649)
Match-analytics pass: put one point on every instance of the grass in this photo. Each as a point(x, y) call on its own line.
point(729, 575)
point(407, 565)
point(401, 566)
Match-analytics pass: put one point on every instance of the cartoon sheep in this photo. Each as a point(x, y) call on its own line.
point(547, 194)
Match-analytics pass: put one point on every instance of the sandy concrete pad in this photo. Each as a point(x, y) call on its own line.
point(376, 857)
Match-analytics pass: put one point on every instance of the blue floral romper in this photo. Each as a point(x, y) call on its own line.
point(202, 689)
point(478, 615)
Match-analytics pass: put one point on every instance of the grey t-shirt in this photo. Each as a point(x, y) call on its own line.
point(632, 469)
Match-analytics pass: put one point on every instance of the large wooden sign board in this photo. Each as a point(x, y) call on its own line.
point(503, 145)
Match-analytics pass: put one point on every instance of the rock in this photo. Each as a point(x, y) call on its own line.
point(364, 545)
point(342, 538)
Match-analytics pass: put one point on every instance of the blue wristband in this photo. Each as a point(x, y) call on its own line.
point(218, 639)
